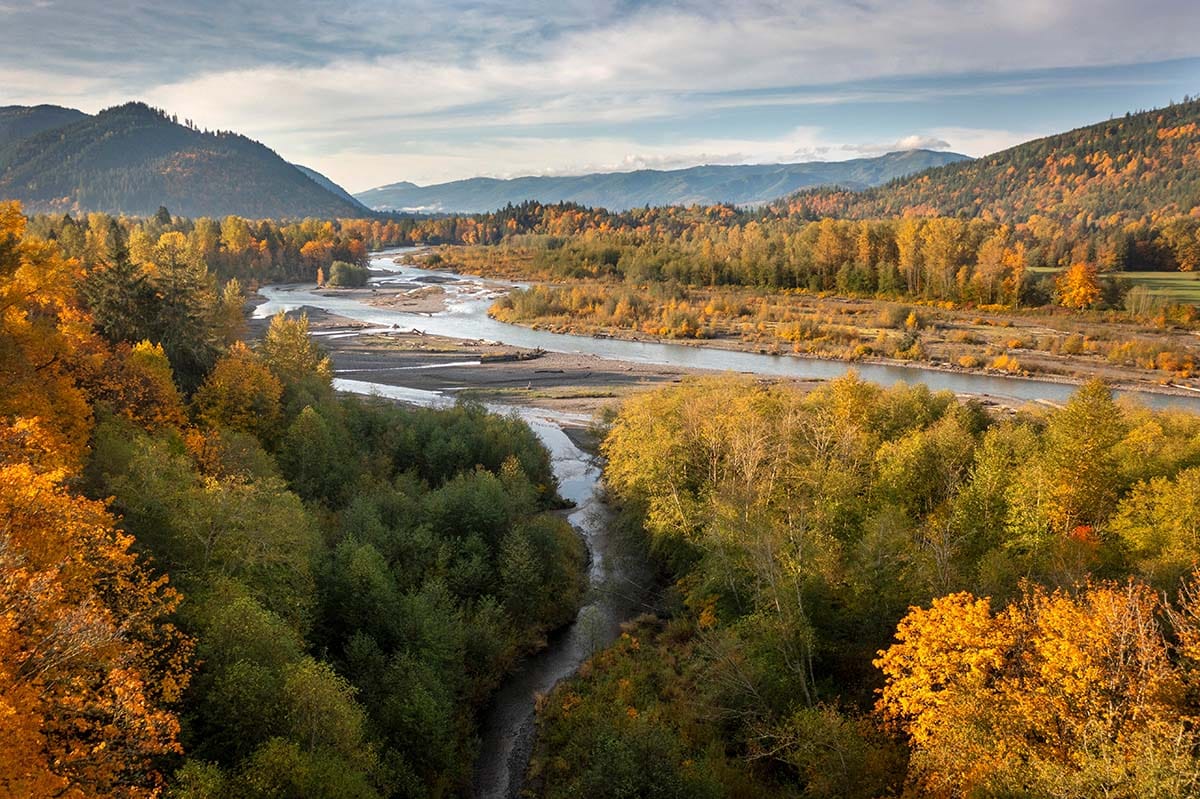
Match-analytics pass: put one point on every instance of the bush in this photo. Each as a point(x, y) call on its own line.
point(347, 275)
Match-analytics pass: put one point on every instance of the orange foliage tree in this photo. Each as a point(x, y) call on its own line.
point(1078, 286)
point(88, 665)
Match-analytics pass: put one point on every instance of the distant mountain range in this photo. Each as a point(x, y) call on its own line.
point(1137, 167)
point(619, 191)
point(132, 159)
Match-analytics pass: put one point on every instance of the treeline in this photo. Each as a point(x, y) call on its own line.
point(270, 250)
point(251, 251)
point(219, 578)
point(821, 635)
point(779, 248)
point(942, 259)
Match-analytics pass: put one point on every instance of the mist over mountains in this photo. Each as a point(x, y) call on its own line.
point(619, 191)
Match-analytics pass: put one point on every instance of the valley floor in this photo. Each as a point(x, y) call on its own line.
point(483, 371)
point(576, 385)
point(1047, 343)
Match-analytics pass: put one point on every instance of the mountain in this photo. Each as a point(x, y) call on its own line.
point(619, 191)
point(22, 121)
point(1131, 168)
point(330, 186)
point(132, 158)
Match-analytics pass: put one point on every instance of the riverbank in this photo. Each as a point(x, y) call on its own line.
point(580, 388)
point(1120, 379)
point(467, 299)
point(1047, 344)
point(578, 385)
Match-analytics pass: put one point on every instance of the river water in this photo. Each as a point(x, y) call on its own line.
point(466, 317)
point(618, 578)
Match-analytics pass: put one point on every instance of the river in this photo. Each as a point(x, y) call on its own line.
point(468, 299)
point(618, 579)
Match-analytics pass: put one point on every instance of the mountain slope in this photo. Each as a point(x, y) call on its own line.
point(619, 191)
point(132, 159)
point(22, 121)
point(1136, 167)
point(332, 187)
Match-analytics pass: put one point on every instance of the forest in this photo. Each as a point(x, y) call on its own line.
point(220, 578)
point(1132, 168)
point(890, 592)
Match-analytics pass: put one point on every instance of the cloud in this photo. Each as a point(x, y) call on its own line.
point(574, 155)
point(985, 141)
point(914, 141)
point(432, 89)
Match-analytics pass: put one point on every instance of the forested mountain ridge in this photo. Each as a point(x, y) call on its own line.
point(619, 191)
point(22, 121)
point(1139, 167)
point(326, 183)
point(132, 159)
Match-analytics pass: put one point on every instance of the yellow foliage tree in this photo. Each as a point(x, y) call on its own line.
point(292, 356)
point(1078, 287)
point(42, 333)
point(1054, 695)
point(241, 393)
point(88, 666)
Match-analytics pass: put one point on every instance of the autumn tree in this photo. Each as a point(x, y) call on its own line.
point(43, 335)
point(1054, 695)
point(148, 394)
point(89, 666)
point(1078, 286)
point(305, 372)
point(241, 393)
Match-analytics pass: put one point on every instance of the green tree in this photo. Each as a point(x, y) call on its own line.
point(292, 356)
point(241, 393)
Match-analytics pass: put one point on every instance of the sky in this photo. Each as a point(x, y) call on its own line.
point(427, 91)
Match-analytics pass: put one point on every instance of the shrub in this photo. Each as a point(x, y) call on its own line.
point(347, 275)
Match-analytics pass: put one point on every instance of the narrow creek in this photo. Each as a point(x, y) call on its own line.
point(617, 581)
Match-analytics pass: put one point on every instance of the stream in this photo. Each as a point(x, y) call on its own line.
point(618, 578)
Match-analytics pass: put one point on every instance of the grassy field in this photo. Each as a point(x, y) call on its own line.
point(1181, 287)
point(1176, 286)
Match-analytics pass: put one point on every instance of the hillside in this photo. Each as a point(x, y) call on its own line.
point(1140, 166)
point(132, 159)
point(619, 191)
point(328, 184)
point(22, 121)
